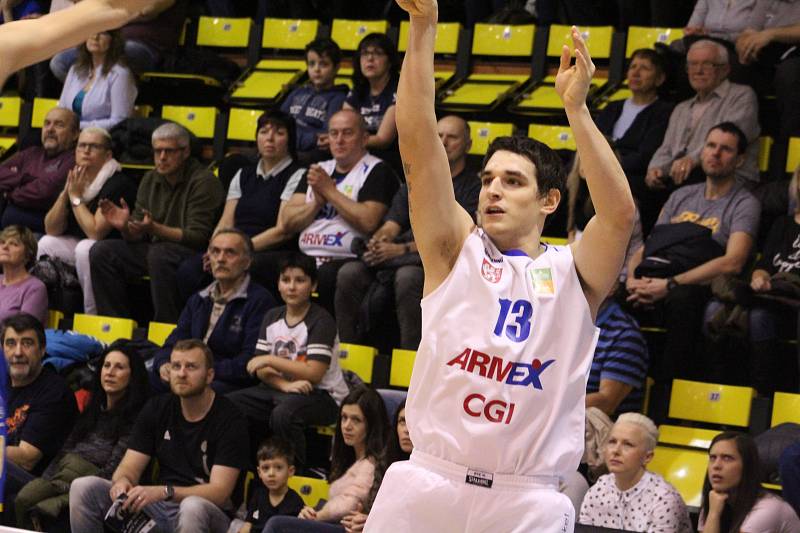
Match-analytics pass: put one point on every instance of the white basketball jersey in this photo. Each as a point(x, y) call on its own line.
point(499, 381)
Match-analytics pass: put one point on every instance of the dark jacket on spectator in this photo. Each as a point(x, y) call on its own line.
point(233, 341)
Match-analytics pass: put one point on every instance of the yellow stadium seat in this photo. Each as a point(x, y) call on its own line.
point(6, 144)
point(711, 403)
point(41, 106)
point(104, 328)
point(54, 318)
point(242, 124)
point(648, 388)
point(598, 40)
point(483, 133)
point(446, 37)
point(556, 137)
point(224, 32)
point(312, 490)
point(266, 85)
point(785, 408)
point(359, 359)
point(249, 479)
point(348, 33)
point(158, 332)
point(486, 90)
point(793, 157)
point(686, 436)
point(10, 107)
point(288, 34)
point(199, 120)
point(684, 469)
point(646, 37)
point(556, 241)
point(402, 365)
point(764, 148)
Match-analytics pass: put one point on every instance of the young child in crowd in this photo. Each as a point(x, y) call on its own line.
point(273, 496)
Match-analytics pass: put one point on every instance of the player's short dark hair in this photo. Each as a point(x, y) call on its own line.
point(736, 131)
point(302, 261)
point(23, 322)
point(186, 345)
point(549, 168)
point(325, 47)
point(275, 449)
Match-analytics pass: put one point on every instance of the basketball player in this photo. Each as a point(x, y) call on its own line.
point(24, 42)
point(496, 403)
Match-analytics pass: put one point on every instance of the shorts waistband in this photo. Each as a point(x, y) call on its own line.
point(471, 476)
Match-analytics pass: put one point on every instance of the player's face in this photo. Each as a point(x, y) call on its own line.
point(273, 142)
point(188, 375)
point(295, 286)
point(23, 355)
point(402, 432)
point(354, 425)
point(626, 450)
point(228, 256)
point(321, 70)
point(91, 151)
point(719, 157)
point(643, 77)
point(115, 374)
point(274, 473)
point(511, 210)
point(454, 137)
point(724, 466)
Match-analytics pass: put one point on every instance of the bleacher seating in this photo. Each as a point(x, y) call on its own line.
point(359, 359)
point(104, 328)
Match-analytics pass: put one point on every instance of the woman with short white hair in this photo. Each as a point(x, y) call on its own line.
point(630, 497)
point(75, 222)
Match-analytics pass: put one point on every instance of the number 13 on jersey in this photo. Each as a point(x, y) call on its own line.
point(514, 319)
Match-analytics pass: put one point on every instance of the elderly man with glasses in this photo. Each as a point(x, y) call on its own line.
point(677, 160)
point(176, 208)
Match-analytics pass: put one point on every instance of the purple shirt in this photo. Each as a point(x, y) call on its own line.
point(31, 180)
point(27, 296)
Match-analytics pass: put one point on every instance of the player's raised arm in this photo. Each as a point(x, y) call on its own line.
point(600, 252)
point(440, 225)
point(25, 42)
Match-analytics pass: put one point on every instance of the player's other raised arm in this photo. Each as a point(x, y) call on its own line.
point(600, 252)
point(440, 225)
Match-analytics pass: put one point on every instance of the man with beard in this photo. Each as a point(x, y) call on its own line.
point(31, 180)
point(40, 408)
point(200, 442)
point(732, 213)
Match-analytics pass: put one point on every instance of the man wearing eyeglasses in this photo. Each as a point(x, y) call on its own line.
point(677, 161)
point(31, 180)
point(177, 205)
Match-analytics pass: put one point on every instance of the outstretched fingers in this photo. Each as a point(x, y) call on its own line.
point(565, 59)
point(583, 59)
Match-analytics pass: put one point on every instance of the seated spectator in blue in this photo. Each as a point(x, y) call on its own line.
point(20, 292)
point(99, 439)
point(20, 9)
point(226, 315)
point(619, 367)
point(272, 497)
point(769, 318)
point(636, 126)
point(630, 497)
point(376, 68)
point(75, 222)
point(40, 407)
point(359, 441)
point(733, 499)
point(32, 179)
point(790, 475)
point(256, 198)
point(312, 104)
point(297, 361)
point(99, 88)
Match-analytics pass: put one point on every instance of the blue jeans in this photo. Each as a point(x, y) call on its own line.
point(139, 56)
point(89, 501)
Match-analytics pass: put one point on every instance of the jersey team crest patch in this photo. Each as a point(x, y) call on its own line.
point(490, 273)
point(542, 279)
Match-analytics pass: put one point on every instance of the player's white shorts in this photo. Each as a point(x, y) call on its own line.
point(430, 495)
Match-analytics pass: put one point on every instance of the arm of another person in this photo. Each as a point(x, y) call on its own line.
point(35, 301)
point(440, 225)
point(609, 396)
point(737, 251)
point(252, 315)
point(55, 222)
point(218, 489)
point(278, 233)
point(24, 455)
point(123, 94)
point(202, 208)
point(39, 193)
point(297, 214)
point(600, 252)
point(29, 41)
point(387, 131)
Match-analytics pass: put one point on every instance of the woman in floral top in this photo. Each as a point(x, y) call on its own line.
point(630, 497)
